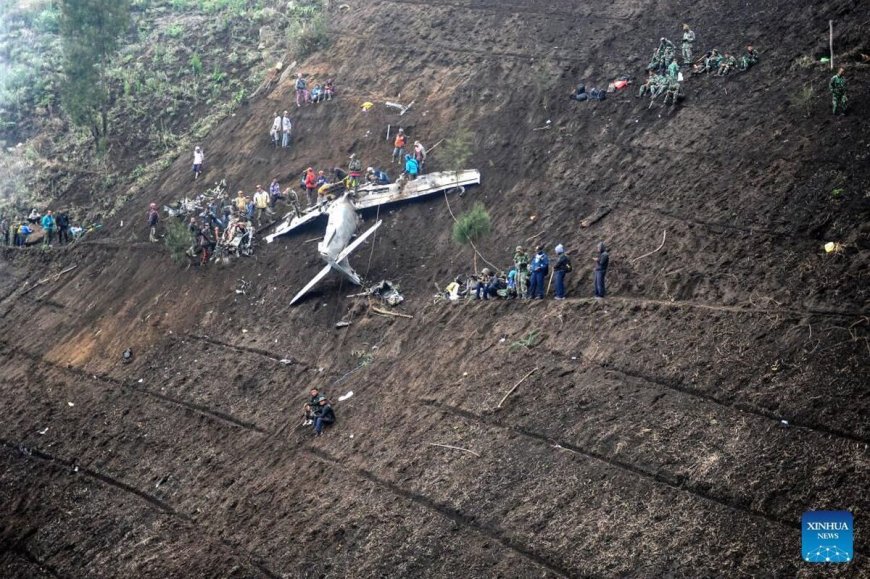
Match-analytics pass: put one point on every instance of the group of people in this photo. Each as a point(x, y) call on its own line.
point(414, 162)
point(282, 125)
point(529, 277)
point(16, 232)
point(317, 412)
point(663, 71)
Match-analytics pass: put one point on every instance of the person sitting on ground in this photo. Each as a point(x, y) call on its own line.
point(726, 65)
point(34, 216)
point(323, 416)
point(412, 168)
point(316, 94)
point(749, 59)
point(512, 283)
point(487, 286)
point(329, 89)
point(275, 193)
point(310, 407)
point(579, 93)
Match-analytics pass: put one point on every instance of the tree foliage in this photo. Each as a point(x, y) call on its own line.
point(178, 239)
point(456, 151)
point(89, 34)
point(471, 226)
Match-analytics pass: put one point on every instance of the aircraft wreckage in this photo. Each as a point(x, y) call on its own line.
point(343, 220)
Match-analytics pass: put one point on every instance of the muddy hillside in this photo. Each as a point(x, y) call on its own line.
point(679, 427)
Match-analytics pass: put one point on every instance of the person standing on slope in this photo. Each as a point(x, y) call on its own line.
point(197, 162)
point(153, 220)
point(688, 40)
point(602, 260)
point(837, 86)
point(540, 269)
point(562, 267)
point(399, 147)
point(275, 131)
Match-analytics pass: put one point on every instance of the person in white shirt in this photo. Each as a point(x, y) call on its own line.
point(197, 161)
point(285, 130)
point(275, 132)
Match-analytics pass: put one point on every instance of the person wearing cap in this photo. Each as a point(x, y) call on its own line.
point(310, 407)
point(688, 40)
point(275, 131)
point(275, 192)
point(261, 202)
point(412, 167)
point(323, 416)
point(198, 157)
point(286, 126)
point(602, 260)
point(399, 147)
point(521, 263)
point(540, 269)
point(153, 220)
point(563, 266)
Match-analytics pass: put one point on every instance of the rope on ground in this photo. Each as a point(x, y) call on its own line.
point(486, 261)
point(454, 448)
point(664, 235)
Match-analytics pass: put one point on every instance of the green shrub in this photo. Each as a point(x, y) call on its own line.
point(178, 239)
point(195, 64)
point(472, 226)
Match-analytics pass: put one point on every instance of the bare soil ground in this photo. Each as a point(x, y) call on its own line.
point(648, 439)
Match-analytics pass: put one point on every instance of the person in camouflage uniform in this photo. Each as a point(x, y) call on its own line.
point(672, 91)
point(727, 64)
point(688, 40)
point(837, 86)
point(749, 59)
point(673, 69)
point(521, 262)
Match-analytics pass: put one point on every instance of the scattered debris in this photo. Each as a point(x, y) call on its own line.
point(161, 481)
point(43, 431)
point(285, 361)
point(70, 404)
point(344, 397)
point(509, 392)
point(54, 277)
point(342, 324)
point(387, 291)
point(454, 448)
point(399, 107)
point(127, 356)
point(833, 247)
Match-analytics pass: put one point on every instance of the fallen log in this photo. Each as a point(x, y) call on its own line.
point(595, 217)
point(515, 387)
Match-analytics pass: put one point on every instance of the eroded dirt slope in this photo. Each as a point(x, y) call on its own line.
point(647, 438)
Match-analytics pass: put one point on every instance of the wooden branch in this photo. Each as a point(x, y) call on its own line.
point(595, 217)
point(454, 448)
point(534, 236)
point(511, 391)
point(378, 310)
point(54, 277)
point(664, 235)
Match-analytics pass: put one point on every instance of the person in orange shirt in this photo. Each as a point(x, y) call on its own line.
point(399, 147)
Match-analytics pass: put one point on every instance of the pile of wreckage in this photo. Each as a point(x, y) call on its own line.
point(219, 233)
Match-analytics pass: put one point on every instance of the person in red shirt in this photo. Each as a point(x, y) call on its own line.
point(311, 186)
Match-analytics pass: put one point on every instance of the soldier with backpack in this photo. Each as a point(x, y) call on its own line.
point(521, 263)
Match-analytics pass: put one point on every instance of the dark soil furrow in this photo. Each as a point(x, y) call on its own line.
point(68, 465)
point(211, 413)
point(676, 482)
point(21, 551)
point(512, 9)
point(504, 539)
point(237, 348)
